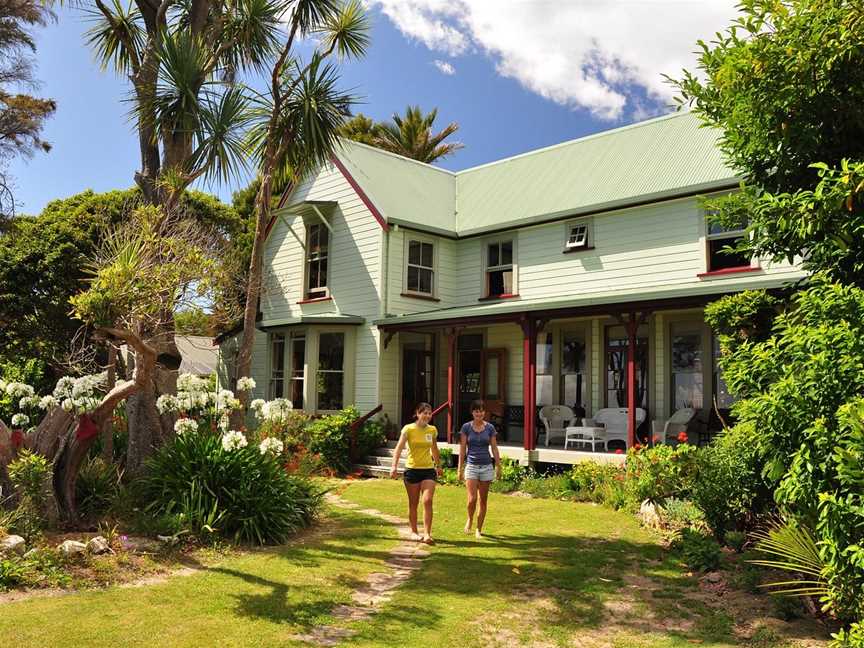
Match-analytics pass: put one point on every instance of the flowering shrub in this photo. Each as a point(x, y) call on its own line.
point(234, 440)
point(185, 425)
point(271, 444)
point(194, 483)
point(245, 384)
point(330, 437)
point(589, 479)
point(198, 398)
point(660, 472)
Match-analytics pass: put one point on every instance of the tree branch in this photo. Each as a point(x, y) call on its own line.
point(144, 365)
point(134, 61)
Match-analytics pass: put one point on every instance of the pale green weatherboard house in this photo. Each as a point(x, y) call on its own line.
point(523, 281)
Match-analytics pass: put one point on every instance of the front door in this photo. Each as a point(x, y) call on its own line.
point(418, 379)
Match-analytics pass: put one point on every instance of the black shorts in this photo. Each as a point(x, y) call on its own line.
point(417, 475)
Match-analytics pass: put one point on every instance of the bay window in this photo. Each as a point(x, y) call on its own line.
point(330, 374)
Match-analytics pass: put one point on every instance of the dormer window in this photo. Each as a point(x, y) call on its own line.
point(579, 236)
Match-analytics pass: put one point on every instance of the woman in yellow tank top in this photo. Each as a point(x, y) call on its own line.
point(422, 468)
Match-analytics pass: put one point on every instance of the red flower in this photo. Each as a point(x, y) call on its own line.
point(619, 451)
point(656, 439)
point(638, 446)
point(682, 438)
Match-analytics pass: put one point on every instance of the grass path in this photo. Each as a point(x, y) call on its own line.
point(549, 574)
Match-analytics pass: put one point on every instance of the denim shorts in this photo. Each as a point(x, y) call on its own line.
point(480, 472)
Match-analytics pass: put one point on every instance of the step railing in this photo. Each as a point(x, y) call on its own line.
point(356, 425)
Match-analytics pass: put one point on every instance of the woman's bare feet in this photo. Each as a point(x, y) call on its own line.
point(468, 526)
point(416, 537)
point(478, 534)
point(427, 539)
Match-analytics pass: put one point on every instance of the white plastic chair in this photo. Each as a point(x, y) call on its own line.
point(614, 419)
point(677, 423)
point(556, 419)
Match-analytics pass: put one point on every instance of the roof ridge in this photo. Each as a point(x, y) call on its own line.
point(584, 138)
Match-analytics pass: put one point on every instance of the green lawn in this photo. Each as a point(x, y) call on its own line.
point(549, 574)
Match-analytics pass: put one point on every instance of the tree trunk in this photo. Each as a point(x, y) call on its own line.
point(108, 426)
point(253, 288)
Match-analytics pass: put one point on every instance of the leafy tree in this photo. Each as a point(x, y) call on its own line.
point(193, 321)
point(22, 115)
point(785, 86)
point(411, 135)
point(43, 259)
point(361, 128)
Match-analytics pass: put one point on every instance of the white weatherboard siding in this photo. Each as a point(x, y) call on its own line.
point(509, 337)
point(354, 267)
point(446, 273)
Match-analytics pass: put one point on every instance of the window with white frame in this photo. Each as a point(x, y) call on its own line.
point(580, 235)
point(499, 268)
point(276, 387)
point(330, 373)
point(721, 243)
point(420, 270)
point(298, 370)
point(317, 251)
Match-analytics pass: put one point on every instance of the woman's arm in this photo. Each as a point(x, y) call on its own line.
point(436, 456)
point(403, 437)
point(496, 456)
point(463, 450)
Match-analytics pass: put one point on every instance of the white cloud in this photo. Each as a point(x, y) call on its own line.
point(601, 55)
point(444, 67)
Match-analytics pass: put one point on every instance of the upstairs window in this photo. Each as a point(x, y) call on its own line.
point(718, 239)
point(421, 268)
point(499, 268)
point(579, 236)
point(317, 251)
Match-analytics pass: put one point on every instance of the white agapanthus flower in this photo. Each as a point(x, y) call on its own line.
point(3, 384)
point(185, 425)
point(167, 403)
point(47, 402)
point(20, 420)
point(224, 422)
point(257, 406)
point(63, 389)
point(271, 444)
point(68, 405)
point(234, 440)
point(245, 384)
point(19, 390)
point(84, 386)
point(28, 402)
point(191, 383)
point(277, 409)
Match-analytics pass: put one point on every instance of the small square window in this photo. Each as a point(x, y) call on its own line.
point(578, 236)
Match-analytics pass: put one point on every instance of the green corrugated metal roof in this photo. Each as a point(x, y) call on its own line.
point(654, 159)
point(605, 298)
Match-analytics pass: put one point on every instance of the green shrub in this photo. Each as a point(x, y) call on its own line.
point(97, 486)
point(238, 494)
point(588, 479)
point(851, 637)
point(803, 414)
point(290, 429)
point(678, 514)
point(511, 476)
point(447, 457)
point(30, 474)
point(552, 487)
point(330, 438)
point(12, 573)
point(700, 552)
point(736, 540)
point(661, 471)
point(449, 476)
point(729, 486)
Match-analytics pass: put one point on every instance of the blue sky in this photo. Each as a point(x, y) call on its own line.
point(524, 75)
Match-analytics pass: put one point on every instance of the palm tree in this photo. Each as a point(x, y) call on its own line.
point(296, 125)
point(412, 136)
point(361, 128)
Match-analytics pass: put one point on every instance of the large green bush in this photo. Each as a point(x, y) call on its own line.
point(241, 494)
point(729, 487)
point(330, 437)
point(802, 415)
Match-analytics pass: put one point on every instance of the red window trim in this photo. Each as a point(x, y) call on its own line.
point(726, 271)
point(496, 297)
point(315, 300)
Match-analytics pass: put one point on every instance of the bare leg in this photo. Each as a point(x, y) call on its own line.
point(483, 489)
point(428, 490)
point(471, 487)
point(413, 501)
